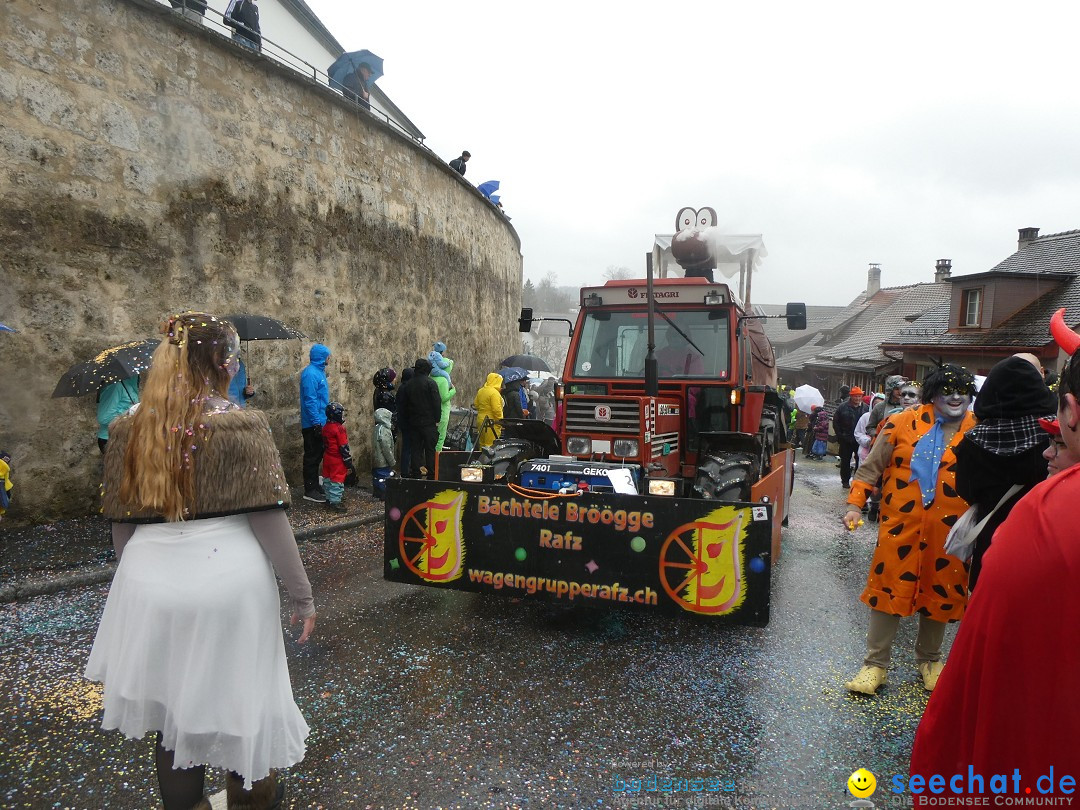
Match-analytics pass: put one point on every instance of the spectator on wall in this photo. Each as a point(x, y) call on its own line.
point(458, 163)
point(243, 17)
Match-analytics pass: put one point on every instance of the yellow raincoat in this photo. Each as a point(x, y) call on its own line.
point(489, 405)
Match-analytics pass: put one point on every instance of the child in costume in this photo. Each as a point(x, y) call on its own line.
point(382, 458)
point(337, 459)
point(440, 366)
point(5, 482)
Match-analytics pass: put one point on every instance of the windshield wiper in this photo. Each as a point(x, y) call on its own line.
point(677, 329)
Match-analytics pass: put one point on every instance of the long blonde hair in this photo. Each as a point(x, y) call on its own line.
point(190, 365)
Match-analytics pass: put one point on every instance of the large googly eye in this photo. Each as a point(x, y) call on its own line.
point(706, 218)
point(686, 219)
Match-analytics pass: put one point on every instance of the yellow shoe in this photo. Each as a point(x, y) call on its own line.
point(867, 681)
point(930, 671)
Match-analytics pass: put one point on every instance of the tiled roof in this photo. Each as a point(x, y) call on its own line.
point(1053, 253)
point(857, 333)
point(1030, 326)
point(776, 328)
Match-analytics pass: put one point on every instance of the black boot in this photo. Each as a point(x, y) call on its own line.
point(266, 794)
point(872, 512)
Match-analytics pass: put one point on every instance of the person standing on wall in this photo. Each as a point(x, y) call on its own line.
point(458, 163)
point(356, 85)
point(314, 397)
point(243, 17)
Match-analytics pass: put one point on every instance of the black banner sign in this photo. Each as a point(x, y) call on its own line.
point(680, 555)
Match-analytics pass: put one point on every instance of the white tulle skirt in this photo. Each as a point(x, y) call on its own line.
point(190, 644)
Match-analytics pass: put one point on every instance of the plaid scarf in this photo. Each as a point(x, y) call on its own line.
point(1008, 437)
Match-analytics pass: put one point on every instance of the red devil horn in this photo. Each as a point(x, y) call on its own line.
point(1065, 337)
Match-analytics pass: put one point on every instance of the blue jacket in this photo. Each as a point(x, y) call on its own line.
point(237, 386)
point(314, 392)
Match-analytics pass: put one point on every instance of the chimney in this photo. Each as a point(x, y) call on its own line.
point(873, 279)
point(942, 270)
point(1027, 235)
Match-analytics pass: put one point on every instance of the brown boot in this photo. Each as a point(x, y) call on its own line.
point(266, 794)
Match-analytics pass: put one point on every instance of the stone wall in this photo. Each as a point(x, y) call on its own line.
point(150, 166)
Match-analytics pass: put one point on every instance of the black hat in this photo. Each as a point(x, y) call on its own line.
point(1014, 388)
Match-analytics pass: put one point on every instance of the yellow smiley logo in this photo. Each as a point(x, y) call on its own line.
point(862, 784)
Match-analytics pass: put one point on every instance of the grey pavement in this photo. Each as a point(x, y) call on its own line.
point(423, 698)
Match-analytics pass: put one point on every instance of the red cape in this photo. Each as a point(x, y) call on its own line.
point(1008, 696)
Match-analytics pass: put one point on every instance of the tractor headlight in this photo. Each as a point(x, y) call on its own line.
point(624, 448)
point(661, 486)
point(472, 475)
point(578, 445)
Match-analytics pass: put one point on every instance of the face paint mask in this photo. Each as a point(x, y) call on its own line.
point(951, 406)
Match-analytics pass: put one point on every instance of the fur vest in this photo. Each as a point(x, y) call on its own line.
point(237, 469)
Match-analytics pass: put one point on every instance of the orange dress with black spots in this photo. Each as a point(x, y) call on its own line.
point(910, 570)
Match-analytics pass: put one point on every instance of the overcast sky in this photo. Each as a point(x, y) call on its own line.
point(844, 133)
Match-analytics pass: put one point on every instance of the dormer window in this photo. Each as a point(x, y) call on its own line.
point(971, 308)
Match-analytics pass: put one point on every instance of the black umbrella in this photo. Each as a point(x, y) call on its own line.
point(529, 362)
point(112, 365)
point(261, 327)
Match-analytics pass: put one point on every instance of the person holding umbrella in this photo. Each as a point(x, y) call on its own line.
point(113, 400)
point(356, 85)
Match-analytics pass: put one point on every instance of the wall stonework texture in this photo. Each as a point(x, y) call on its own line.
point(149, 167)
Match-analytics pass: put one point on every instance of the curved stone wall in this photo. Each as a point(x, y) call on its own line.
point(151, 167)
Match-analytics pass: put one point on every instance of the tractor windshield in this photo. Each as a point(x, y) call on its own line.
point(614, 344)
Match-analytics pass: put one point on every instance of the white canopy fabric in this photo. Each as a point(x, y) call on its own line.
point(729, 249)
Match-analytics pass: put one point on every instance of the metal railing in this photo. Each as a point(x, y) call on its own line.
point(214, 20)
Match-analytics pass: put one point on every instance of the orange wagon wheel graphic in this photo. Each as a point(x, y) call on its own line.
point(417, 538)
point(681, 565)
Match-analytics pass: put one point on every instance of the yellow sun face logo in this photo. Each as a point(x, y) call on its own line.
point(862, 784)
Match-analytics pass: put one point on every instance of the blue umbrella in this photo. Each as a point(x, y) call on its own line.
point(488, 188)
point(513, 374)
point(5, 328)
point(348, 63)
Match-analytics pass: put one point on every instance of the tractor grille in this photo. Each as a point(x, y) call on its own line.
point(660, 439)
point(581, 416)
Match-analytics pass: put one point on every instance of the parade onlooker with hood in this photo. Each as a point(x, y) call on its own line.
point(382, 453)
point(512, 400)
point(240, 389)
point(1001, 459)
point(114, 400)
point(337, 461)
point(489, 406)
point(446, 395)
point(383, 396)
point(401, 425)
point(1007, 700)
point(314, 397)
point(421, 405)
point(910, 572)
point(892, 403)
point(6, 486)
point(820, 423)
point(863, 436)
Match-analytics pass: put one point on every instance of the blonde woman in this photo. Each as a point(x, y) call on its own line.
point(190, 643)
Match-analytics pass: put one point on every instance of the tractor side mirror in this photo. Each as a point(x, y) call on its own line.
point(796, 316)
point(526, 318)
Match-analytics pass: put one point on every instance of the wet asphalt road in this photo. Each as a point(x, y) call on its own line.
point(427, 699)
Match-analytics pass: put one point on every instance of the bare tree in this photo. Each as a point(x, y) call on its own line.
point(614, 273)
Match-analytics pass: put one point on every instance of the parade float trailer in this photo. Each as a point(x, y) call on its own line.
point(666, 484)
